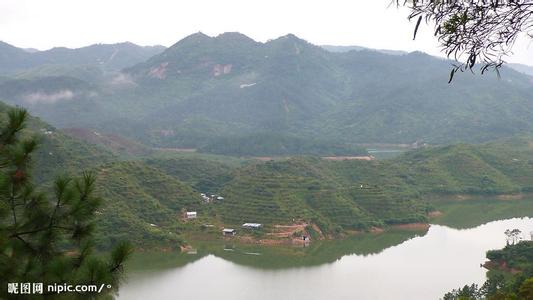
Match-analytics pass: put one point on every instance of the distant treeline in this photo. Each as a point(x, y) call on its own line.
point(272, 144)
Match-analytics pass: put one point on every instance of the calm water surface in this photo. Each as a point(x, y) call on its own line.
point(423, 267)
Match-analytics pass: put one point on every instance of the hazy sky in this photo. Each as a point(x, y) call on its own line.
point(74, 23)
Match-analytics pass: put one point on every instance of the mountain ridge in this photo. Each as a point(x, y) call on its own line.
point(123, 53)
point(229, 86)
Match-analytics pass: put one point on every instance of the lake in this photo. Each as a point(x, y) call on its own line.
point(390, 265)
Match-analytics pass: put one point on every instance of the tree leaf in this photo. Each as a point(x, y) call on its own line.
point(416, 27)
point(452, 73)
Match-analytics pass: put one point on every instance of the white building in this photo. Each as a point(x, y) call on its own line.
point(191, 215)
point(252, 225)
point(229, 232)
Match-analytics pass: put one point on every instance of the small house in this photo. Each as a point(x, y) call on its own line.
point(219, 198)
point(252, 225)
point(191, 215)
point(229, 232)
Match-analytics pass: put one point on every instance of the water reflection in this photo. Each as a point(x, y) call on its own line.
point(386, 266)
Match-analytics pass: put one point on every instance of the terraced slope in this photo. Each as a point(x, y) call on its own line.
point(143, 200)
point(314, 191)
point(494, 168)
point(142, 204)
point(203, 175)
point(135, 195)
point(512, 157)
point(338, 195)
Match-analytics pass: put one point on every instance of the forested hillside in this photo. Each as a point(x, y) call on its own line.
point(270, 144)
point(142, 204)
point(144, 198)
point(361, 194)
point(105, 56)
point(215, 92)
point(59, 154)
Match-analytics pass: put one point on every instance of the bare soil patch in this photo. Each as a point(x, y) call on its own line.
point(501, 266)
point(376, 230)
point(176, 149)
point(435, 213)
point(336, 158)
point(284, 231)
point(510, 197)
point(412, 226)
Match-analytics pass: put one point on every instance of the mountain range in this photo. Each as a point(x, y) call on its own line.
point(105, 56)
point(145, 196)
point(205, 89)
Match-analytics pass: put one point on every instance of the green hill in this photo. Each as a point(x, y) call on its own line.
point(135, 195)
point(143, 199)
point(319, 192)
point(205, 92)
point(492, 168)
point(117, 144)
point(59, 153)
point(202, 175)
point(142, 204)
point(106, 56)
point(355, 194)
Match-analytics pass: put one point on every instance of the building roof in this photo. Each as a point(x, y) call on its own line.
point(252, 225)
point(228, 230)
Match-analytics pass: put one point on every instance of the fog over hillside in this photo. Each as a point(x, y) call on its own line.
point(204, 89)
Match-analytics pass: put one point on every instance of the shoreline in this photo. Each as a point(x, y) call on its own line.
point(468, 197)
point(289, 240)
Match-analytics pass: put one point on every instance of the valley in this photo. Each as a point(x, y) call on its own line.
point(224, 154)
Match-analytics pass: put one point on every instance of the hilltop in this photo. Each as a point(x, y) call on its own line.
point(206, 92)
point(106, 56)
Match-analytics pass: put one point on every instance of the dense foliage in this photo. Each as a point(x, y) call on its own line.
point(58, 153)
point(510, 275)
point(361, 194)
point(144, 205)
point(48, 239)
point(202, 175)
point(324, 193)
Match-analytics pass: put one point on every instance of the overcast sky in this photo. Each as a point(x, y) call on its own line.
point(75, 23)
